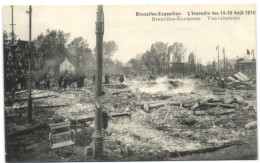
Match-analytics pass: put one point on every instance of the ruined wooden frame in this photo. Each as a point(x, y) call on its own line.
point(52, 135)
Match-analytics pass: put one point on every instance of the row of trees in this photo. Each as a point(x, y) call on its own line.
point(53, 47)
point(160, 56)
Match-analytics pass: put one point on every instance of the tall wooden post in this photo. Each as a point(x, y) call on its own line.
point(13, 59)
point(218, 57)
point(97, 136)
point(29, 74)
point(224, 61)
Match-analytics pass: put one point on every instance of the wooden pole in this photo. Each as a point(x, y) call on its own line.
point(224, 61)
point(29, 74)
point(218, 58)
point(13, 59)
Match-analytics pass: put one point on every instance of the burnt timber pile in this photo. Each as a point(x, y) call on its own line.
point(165, 119)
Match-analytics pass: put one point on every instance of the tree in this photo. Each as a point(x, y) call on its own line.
point(149, 61)
point(177, 51)
point(80, 44)
point(52, 49)
point(157, 59)
point(191, 62)
point(136, 65)
point(6, 39)
point(109, 48)
point(84, 57)
point(160, 54)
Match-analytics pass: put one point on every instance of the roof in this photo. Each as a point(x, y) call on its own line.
point(71, 59)
point(246, 61)
point(23, 45)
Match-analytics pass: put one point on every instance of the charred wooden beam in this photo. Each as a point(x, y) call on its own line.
point(204, 150)
point(35, 98)
point(120, 91)
point(147, 107)
point(50, 106)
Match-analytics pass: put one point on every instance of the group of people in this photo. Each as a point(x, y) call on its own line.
point(64, 81)
point(20, 82)
point(71, 81)
point(45, 81)
point(121, 78)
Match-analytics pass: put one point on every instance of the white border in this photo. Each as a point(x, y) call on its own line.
point(110, 2)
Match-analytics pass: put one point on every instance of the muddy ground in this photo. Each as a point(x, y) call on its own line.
point(155, 135)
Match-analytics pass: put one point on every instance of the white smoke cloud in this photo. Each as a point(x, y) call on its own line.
point(162, 85)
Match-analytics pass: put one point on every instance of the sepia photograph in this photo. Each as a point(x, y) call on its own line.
point(105, 83)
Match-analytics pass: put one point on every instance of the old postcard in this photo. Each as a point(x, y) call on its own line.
point(130, 83)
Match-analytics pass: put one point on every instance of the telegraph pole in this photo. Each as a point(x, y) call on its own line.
point(13, 59)
point(226, 66)
point(97, 136)
point(224, 61)
point(218, 58)
point(195, 59)
point(29, 74)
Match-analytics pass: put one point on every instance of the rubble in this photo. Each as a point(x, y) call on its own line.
point(173, 121)
point(240, 81)
point(251, 125)
point(223, 144)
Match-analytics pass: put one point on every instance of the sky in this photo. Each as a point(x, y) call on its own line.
point(135, 34)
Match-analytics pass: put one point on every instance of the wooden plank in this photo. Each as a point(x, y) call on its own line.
point(54, 125)
point(83, 119)
point(60, 126)
point(59, 123)
point(146, 102)
point(204, 150)
point(240, 78)
point(121, 115)
point(35, 98)
point(215, 112)
point(62, 144)
point(15, 107)
point(89, 119)
point(20, 92)
point(62, 133)
point(243, 76)
point(219, 104)
point(232, 79)
point(120, 91)
point(50, 106)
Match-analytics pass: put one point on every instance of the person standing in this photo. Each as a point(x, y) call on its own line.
point(48, 83)
point(60, 82)
point(94, 78)
point(64, 82)
point(106, 79)
point(121, 79)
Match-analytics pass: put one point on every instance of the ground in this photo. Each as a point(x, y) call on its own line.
point(155, 135)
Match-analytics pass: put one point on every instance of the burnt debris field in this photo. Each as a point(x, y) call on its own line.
point(163, 119)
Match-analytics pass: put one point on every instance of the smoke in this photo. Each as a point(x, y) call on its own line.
point(50, 66)
point(163, 85)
